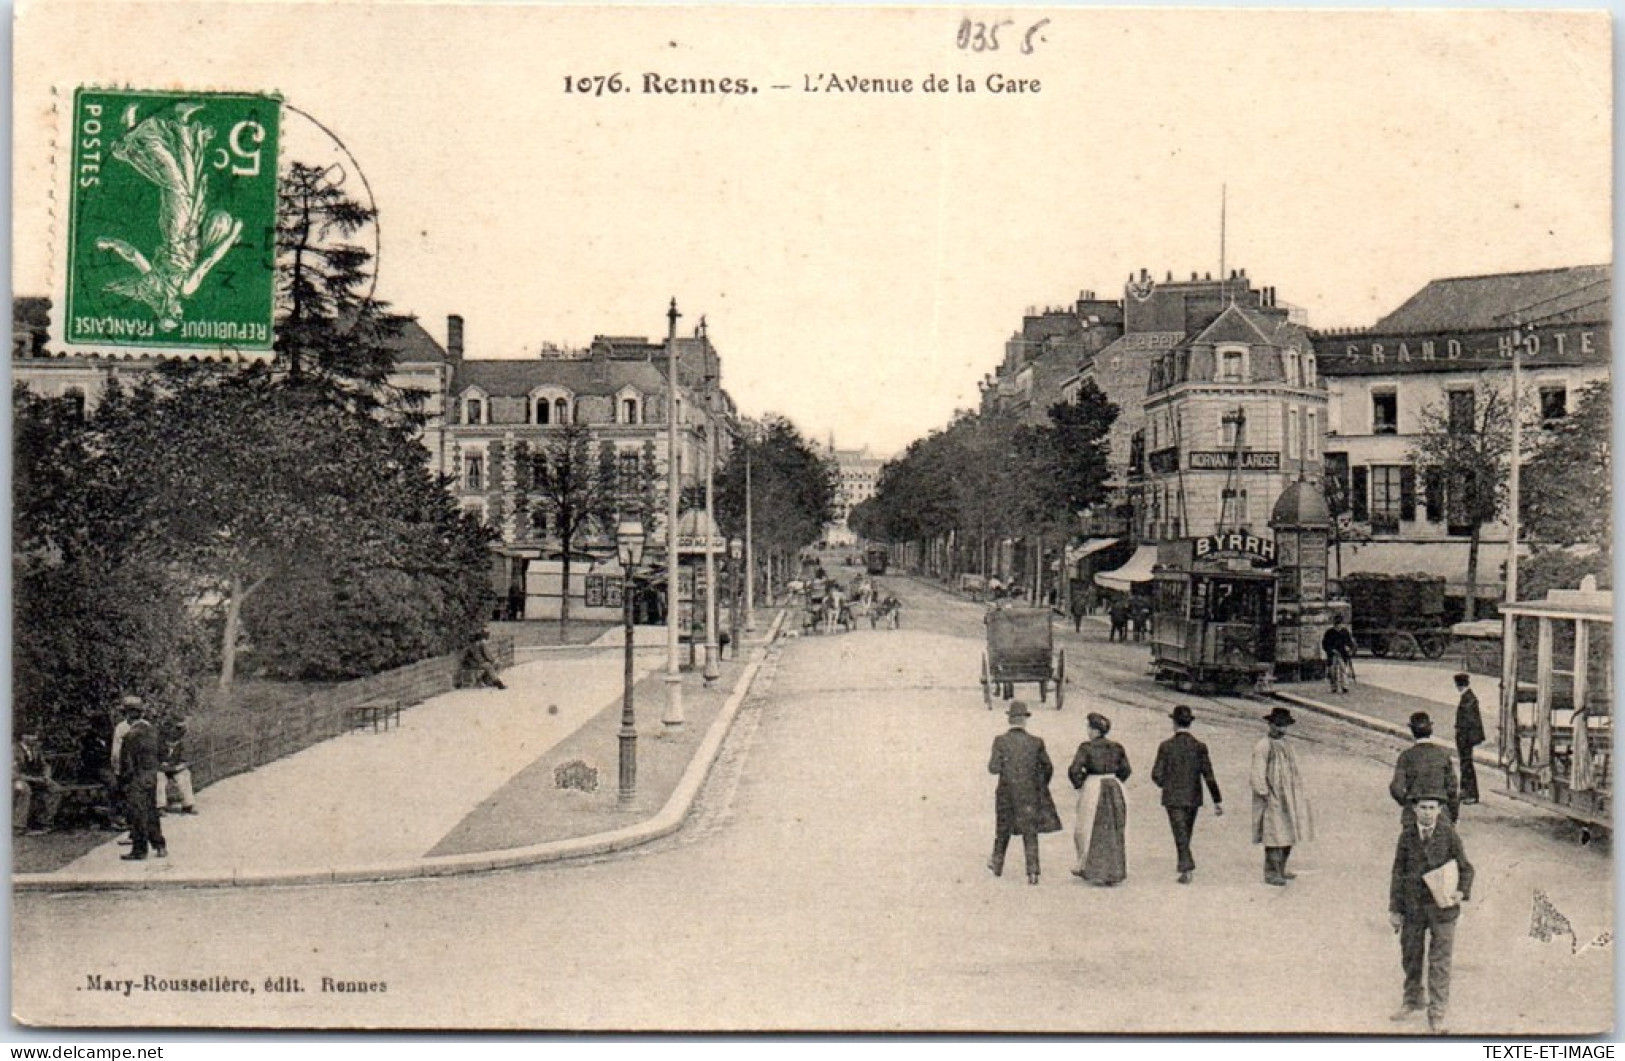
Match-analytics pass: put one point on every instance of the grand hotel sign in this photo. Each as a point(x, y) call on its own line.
point(1372, 354)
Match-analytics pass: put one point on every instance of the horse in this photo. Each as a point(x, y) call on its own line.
point(888, 610)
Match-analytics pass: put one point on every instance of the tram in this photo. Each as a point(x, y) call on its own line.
point(875, 558)
point(1557, 703)
point(1214, 610)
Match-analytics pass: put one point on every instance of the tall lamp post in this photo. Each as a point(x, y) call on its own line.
point(629, 540)
point(750, 566)
point(712, 672)
point(673, 717)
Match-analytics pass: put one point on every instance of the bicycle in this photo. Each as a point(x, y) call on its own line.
point(1340, 672)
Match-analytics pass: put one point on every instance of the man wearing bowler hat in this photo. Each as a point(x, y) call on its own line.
point(1282, 815)
point(1425, 766)
point(1431, 879)
point(1021, 803)
point(138, 775)
point(1181, 769)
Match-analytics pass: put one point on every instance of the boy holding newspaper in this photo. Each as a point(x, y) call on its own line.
point(1431, 879)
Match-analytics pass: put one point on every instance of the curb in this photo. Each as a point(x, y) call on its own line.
point(1392, 729)
point(670, 818)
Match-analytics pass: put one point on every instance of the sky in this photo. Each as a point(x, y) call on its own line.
point(861, 258)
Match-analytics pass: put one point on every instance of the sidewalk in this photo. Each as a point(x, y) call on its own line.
point(1385, 695)
point(374, 805)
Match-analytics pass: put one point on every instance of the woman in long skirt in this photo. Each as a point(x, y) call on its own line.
point(1098, 772)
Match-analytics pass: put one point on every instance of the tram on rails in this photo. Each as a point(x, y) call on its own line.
point(875, 559)
point(1213, 602)
point(1557, 704)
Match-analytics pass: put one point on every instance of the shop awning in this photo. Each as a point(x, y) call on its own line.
point(1088, 548)
point(1138, 569)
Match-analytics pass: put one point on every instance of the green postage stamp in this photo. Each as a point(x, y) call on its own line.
point(172, 221)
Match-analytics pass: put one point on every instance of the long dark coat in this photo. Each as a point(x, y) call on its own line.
point(1181, 768)
point(1469, 723)
point(138, 758)
point(1022, 800)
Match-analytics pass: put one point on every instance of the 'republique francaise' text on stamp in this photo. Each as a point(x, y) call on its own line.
point(172, 220)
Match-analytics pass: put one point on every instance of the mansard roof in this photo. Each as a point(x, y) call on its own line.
point(515, 378)
point(1237, 325)
point(1569, 295)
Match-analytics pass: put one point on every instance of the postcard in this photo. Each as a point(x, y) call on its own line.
point(754, 518)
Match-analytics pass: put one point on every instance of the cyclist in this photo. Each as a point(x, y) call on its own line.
point(1338, 644)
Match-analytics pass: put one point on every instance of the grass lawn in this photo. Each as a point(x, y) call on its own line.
point(532, 809)
point(534, 632)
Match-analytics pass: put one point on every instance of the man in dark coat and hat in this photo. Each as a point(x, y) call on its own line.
point(138, 774)
point(1469, 735)
point(1181, 769)
point(1425, 766)
point(1022, 802)
point(1431, 879)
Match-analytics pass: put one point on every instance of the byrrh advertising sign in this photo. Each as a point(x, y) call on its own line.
point(1369, 354)
point(1235, 546)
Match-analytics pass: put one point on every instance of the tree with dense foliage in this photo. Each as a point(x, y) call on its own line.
point(793, 490)
point(572, 491)
point(330, 329)
point(1566, 482)
point(1466, 442)
point(289, 505)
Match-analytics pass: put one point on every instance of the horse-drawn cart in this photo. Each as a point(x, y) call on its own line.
point(1021, 648)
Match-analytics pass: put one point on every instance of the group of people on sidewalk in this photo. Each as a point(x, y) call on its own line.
point(1338, 645)
point(1430, 877)
point(1282, 815)
point(147, 755)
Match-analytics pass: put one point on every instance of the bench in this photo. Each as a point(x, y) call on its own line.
point(85, 802)
point(376, 713)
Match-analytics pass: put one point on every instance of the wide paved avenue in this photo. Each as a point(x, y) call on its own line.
point(832, 878)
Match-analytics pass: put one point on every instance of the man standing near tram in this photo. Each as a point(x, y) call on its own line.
point(1338, 645)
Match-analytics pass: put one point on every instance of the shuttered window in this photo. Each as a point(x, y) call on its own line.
point(1433, 494)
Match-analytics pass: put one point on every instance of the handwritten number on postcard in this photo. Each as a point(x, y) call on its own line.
point(977, 36)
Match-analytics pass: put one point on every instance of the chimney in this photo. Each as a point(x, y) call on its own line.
point(454, 336)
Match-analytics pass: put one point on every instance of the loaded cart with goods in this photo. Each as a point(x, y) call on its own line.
point(1398, 615)
point(1021, 648)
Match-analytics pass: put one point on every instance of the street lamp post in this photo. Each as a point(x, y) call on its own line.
point(629, 540)
point(712, 671)
point(673, 717)
point(733, 595)
point(750, 566)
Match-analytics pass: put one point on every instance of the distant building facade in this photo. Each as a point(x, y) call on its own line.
point(1437, 352)
point(857, 474)
point(1047, 353)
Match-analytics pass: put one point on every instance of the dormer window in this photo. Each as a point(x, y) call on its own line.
point(1289, 368)
point(629, 410)
point(1232, 364)
point(544, 411)
point(473, 410)
point(561, 411)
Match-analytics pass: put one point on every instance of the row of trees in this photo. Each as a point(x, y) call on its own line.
point(288, 506)
point(792, 492)
point(988, 476)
